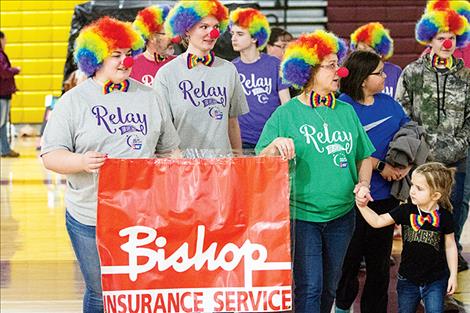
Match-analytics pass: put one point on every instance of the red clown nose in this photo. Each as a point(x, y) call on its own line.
point(342, 72)
point(128, 62)
point(214, 34)
point(447, 44)
point(176, 40)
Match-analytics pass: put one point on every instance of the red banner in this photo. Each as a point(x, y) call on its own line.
point(195, 235)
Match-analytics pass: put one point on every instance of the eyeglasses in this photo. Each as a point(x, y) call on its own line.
point(280, 47)
point(379, 73)
point(331, 67)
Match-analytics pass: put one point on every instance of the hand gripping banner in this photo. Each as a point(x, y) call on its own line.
point(195, 235)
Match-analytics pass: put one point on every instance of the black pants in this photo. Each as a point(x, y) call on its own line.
point(375, 245)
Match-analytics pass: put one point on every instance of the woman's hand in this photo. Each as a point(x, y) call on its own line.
point(91, 161)
point(283, 147)
point(451, 285)
point(362, 193)
point(390, 173)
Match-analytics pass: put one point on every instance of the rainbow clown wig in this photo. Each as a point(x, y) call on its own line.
point(187, 13)
point(255, 22)
point(98, 40)
point(307, 52)
point(150, 20)
point(375, 36)
point(444, 16)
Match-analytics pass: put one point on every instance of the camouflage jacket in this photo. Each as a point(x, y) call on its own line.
point(441, 103)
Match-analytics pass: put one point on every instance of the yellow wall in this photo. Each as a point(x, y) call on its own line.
point(37, 34)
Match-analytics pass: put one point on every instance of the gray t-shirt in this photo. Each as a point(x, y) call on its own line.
point(201, 100)
point(128, 124)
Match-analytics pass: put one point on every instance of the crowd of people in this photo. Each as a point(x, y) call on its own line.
point(373, 145)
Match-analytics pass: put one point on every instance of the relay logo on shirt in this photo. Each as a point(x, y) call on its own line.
point(260, 87)
point(205, 97)
point(337, 143)
point(132, 125)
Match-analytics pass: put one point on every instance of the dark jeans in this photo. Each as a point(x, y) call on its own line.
point(410, 294)
point(463, 215)
point(375, 245)
point(248, 148)
point(460, 211)
point(4, 113)
point(83, 239)
point(319, 250)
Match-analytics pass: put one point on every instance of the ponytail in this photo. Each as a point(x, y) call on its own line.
point(440, 179)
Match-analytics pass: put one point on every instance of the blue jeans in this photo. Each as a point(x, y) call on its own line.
point(4, 113)
point(460, 216)
point(83, 239)
point(460, 211)
point(410, 294)
point(319, 250)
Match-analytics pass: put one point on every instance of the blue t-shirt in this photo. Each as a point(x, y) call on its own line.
point(393, 74)
point(261, 83)
point(381, 121)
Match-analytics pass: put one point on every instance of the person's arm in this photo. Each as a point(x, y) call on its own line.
point(7, 71)
point(389, 172)
point(452, 262)
point(284, 95)
point(402, 95)
point(375, 220)
point(234, 133)
point(66, 162)
point(365, 173)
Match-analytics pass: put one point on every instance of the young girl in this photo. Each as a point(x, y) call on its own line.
point(202, 92)
point(428, 268)
point(106, 115)
point(382, 117)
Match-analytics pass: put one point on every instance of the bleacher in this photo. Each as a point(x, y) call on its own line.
point(297, 16)
point(37, 32)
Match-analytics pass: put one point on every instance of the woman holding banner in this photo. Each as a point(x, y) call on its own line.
point(108, 115)
point(331, 150)
point(203, 92)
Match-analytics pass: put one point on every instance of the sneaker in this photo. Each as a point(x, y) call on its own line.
point(452, 305)
point(462, 263)
point(362, 266)
point(338, 310)
point(11, 154)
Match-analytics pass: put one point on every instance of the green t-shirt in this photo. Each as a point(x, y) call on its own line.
point(327, 147)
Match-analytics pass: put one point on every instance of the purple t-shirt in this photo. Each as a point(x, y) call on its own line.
point(261, 83)
point(393, 74)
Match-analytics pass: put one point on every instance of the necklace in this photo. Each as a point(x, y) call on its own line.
point(428, 212)
point(325, 124)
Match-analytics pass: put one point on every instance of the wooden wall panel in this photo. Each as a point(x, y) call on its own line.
point(400, 16)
